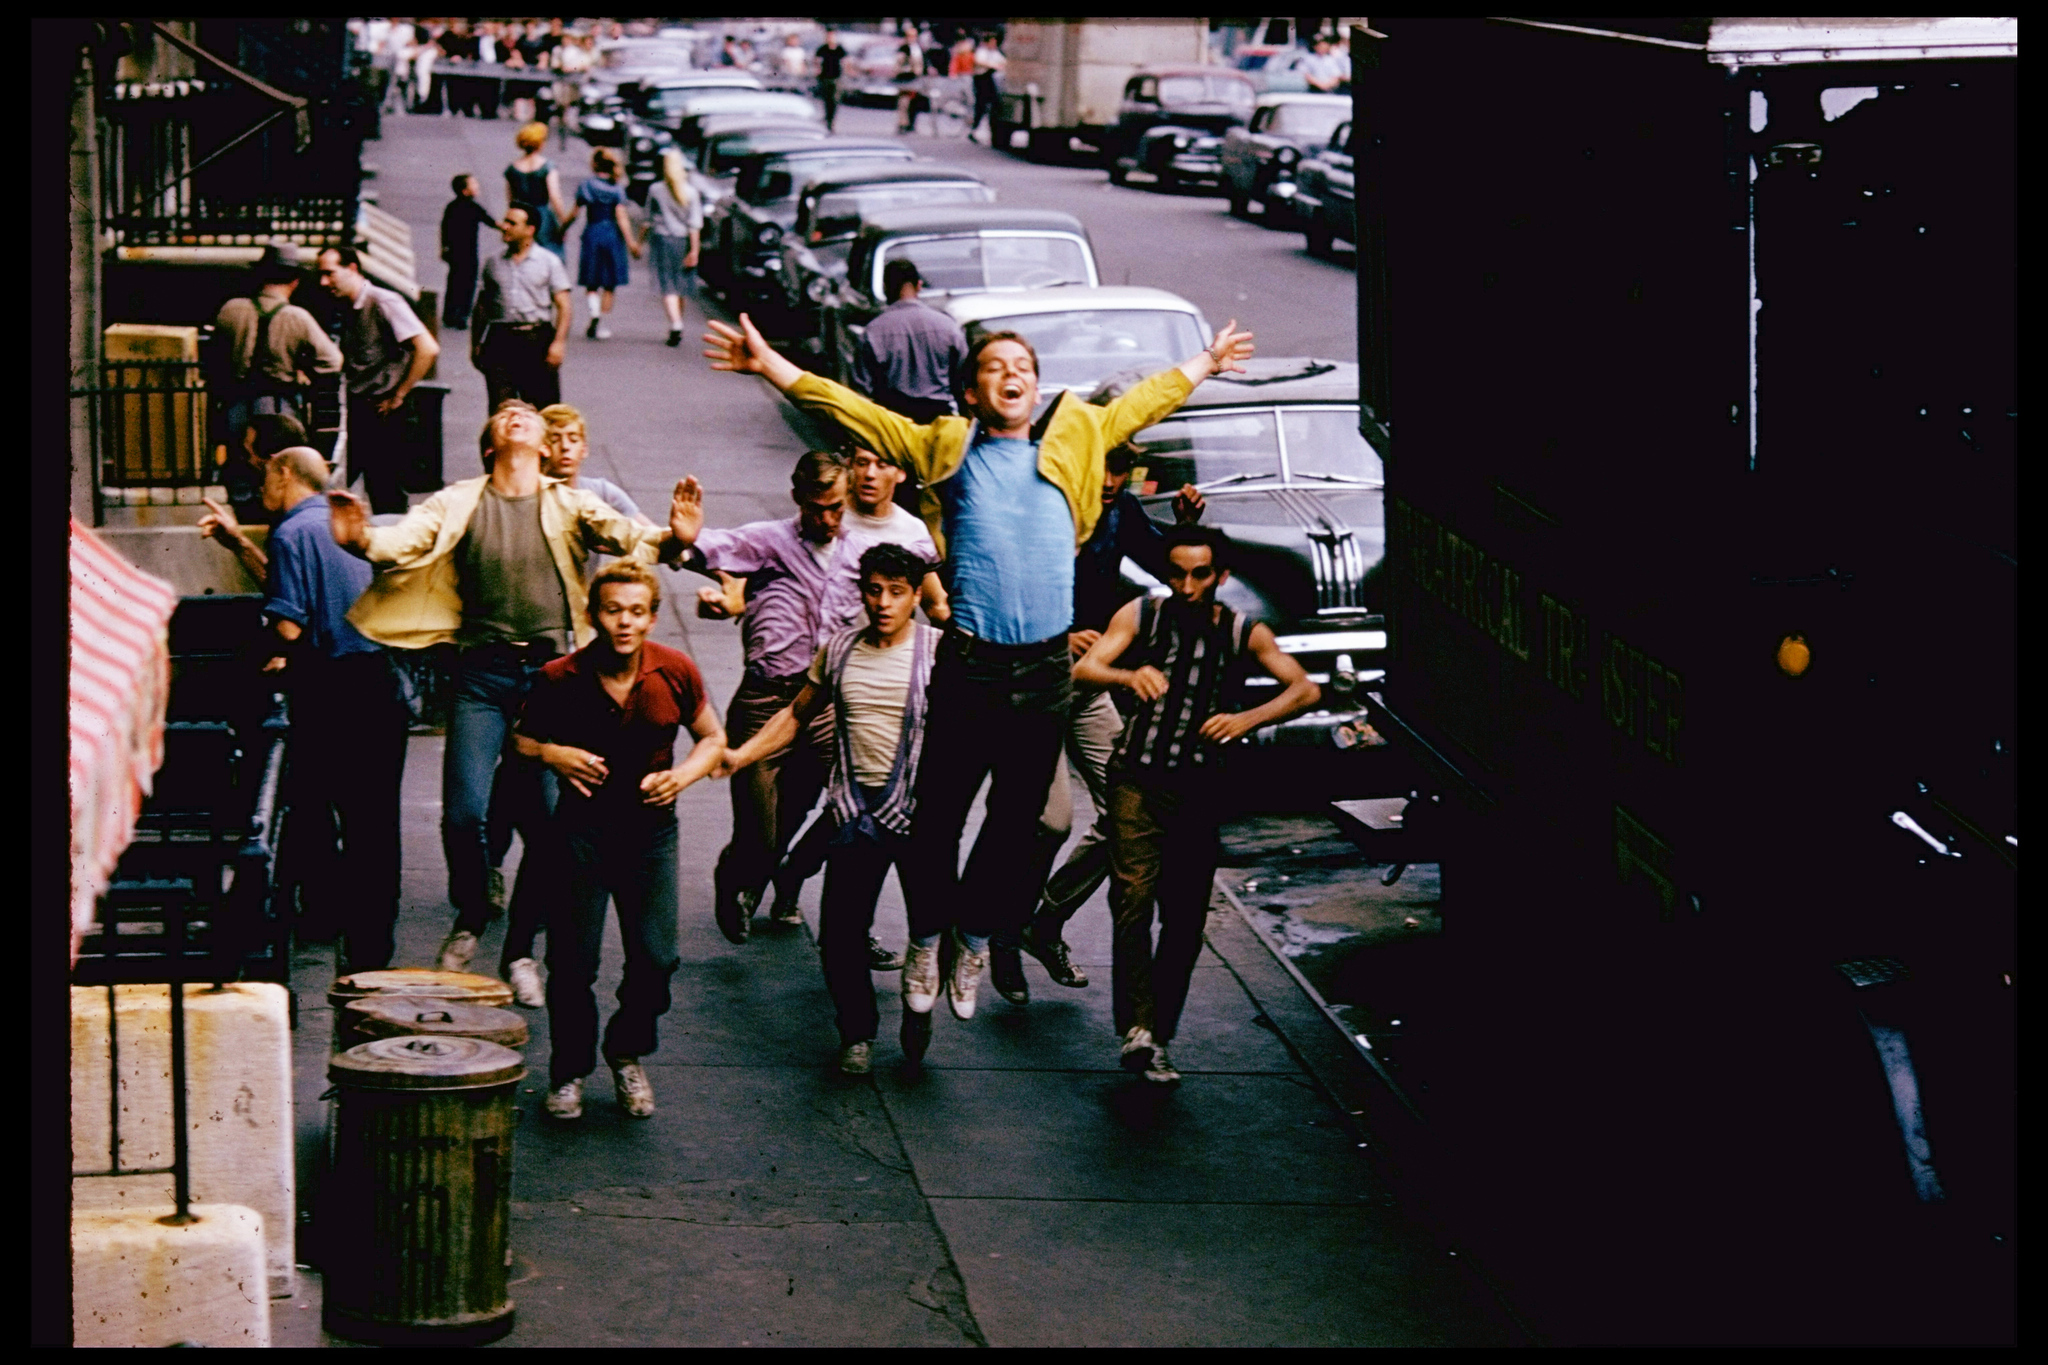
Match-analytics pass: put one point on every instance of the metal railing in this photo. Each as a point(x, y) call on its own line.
point(150, 428)
point(307, 220)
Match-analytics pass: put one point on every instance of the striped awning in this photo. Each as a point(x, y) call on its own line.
point(120, 678)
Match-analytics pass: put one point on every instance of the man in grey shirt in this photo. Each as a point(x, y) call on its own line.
point(907, 357)
point(385, 351)
point(522, 317)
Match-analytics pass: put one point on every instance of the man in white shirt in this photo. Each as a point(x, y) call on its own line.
point(1325, 70)
point(793, 60)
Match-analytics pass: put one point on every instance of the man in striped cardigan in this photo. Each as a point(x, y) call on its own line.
point(874, 676)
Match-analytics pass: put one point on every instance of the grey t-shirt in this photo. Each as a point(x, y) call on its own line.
point(510, 587)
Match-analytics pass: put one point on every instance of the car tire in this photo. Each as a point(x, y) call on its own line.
point(1318, 240)
point(1240, 206)
point(1116, 173)
point(999, 135)
point(1048, 145)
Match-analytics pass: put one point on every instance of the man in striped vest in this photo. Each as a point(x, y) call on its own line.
point(874, 676)
point(1184, 658)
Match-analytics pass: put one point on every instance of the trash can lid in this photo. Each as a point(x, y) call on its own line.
point(399, 1016)
point(425, 1063)
point(481, 990)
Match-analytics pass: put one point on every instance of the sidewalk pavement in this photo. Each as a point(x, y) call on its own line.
point(1024, 1190)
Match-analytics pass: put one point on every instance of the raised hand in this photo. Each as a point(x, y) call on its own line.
point(686, 510)
point(1231, 348)
point(349, 518)
point(1189, 504)
point(743, 350)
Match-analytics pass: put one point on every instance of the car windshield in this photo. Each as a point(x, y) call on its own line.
point(1324, 446)
point(1079, 350)
point(840, 213)
point(1254, 61)
point(1228, 448)
point(1308, 120)
point(1203, 90)
point(967, 264)
point(808, 170)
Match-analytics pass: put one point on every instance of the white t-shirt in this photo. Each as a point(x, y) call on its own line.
point(875, 687)
point(794, 61)
point(989, 59)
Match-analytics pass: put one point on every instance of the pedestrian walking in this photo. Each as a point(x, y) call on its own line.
point(605, 720)
point(831, 59)
point(350, 719)
point(675, 228)
point(607, 238)
point(791, 60)
point(1122, 532)
point(909, 67)
point(873, 678)
point(459, 224)
point(494, 567)
point(989, 65)
point(1184, 659)
point(797, 594)
point(532, 179)
point(385, 351)
point(908, 354)
point(270, 348)
point(522, 317)
point(1008, 500)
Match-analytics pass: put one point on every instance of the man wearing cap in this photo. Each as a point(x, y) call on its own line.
point(272, 347)
point(908, 354)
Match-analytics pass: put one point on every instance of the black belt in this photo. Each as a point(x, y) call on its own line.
point(520, 326)
point(972, 647)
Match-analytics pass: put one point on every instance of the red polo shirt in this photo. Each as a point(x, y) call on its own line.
point(569, 705)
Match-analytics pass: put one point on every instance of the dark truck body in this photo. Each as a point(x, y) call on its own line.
point(1666, 1112)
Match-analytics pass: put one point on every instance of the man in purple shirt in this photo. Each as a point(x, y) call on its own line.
point(797, 593)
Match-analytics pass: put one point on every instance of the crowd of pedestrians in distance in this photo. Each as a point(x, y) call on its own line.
point(897, 657)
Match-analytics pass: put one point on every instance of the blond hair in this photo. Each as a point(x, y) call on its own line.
point(532, 137)
point(672, 176)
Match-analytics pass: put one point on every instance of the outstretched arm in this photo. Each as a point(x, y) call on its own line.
point(1228, 351)
point(779, 733)
point(743, 350)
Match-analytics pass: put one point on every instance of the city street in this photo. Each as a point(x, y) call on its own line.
point(1024, 1191)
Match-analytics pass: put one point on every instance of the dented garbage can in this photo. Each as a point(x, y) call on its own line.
point(418, 1214)
point(404, 1016)
point(468, 988)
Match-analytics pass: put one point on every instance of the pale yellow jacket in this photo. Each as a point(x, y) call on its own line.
point(1072, 437)
point(415, 600)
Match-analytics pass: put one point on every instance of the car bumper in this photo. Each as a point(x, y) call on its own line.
point(1196, 166)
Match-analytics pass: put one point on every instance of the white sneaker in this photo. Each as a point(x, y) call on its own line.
point(604, 330)
point(1137, 1049)
point(565, 1101)
point(526, 988)
point(630, 1084)
point(921, 978)
point(966, 976)
point(457, 949)
point(1161, 1071)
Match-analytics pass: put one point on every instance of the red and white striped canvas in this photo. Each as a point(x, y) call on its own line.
point(120, 679)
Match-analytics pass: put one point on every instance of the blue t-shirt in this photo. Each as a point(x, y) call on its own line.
point(609, 493)
point(313, 582)
point(1010, 544)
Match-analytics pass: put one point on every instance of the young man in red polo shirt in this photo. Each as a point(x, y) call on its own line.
point(605, 719)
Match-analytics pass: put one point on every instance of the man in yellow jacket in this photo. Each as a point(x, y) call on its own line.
point(494, 566)
point(1008, 501)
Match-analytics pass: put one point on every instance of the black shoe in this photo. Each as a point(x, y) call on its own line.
point(880, 959)
point(733, 914)
point(1006, 971)
point(591, 330)
point(915, 1036)
point(675, 338)
point(1053, 955)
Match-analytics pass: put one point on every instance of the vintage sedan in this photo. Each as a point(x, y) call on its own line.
point(829, 216)
point(1083, 336)
point(1291, 478)
point(1324, 200)
point(1259, 158)
point(742, 242)
point(714, 163)
point(669, 117)
point(607, 98)
point(1170, 123)
point(967, 250)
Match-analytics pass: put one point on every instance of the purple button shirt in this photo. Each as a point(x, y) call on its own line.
point(794, 598)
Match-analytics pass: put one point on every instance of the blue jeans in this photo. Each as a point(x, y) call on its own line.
point(491, 683)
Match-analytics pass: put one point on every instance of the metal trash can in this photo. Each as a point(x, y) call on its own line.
point(419, 1233)
point(405, 1016)
point(464, 987)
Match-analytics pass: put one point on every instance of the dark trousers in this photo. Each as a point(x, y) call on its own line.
point(853, 882)
point(514, 361)
point(523, 798)
point(828, 95)
point(984, 101)
point(377, 452)
point(347, 749)
point(1163, 852)
point(995, 711)
point(631, 863)
point(461, 293)
point(490, 685)
point(771, 798)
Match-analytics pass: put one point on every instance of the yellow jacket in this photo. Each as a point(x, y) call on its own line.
point(1072, 437)
point(414, 601)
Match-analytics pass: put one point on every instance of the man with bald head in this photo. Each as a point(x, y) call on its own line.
point(349, 717)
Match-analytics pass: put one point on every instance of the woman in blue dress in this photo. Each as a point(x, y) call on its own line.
point(607, 237)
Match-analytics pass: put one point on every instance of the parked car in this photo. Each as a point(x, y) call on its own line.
point(1291, 479)
point(743, 235)
point(1171, 122)
point(967, 250)
point(671, 116)
point(1259, 159)
point(1275, 68)
point(1324, 199)
point(1084, 336)
point(829, 216)
point(714, 164)
point(602, 105)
